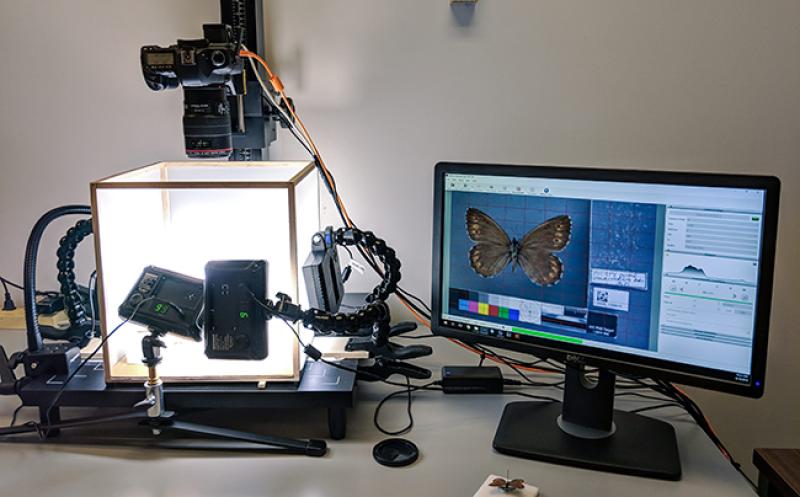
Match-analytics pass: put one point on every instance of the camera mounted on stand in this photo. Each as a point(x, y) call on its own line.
point(225, 113)
point(210, 71)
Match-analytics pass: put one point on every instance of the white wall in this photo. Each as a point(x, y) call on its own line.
point(388, 88)
point(74, 107)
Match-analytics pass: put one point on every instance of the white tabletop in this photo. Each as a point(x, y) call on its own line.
point(453, 433)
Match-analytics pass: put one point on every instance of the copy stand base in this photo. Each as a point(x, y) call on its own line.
point(585, 431)
point(321, 387)
point(151, 413)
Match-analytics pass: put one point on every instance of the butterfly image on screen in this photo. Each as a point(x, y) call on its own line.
point(494, 250)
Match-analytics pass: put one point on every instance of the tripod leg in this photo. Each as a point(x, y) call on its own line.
point(315, 448)
point(57, 424)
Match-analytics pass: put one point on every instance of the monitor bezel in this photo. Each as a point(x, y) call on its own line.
point(622, 362)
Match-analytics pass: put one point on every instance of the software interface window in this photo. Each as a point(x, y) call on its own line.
point(654, 270)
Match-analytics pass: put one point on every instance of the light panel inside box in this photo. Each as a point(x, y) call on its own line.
point(181, 228)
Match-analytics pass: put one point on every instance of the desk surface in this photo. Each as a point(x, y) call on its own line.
point(453, 433)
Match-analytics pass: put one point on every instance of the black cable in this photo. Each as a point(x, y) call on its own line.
point(532, 396)
point(657, 406)
point(640, 395)
point(10, 283)
point(694, 410)
point(511, 363)
point(413, 306)
point(416, 337)
point(91, 284)
point(408, 391)
point(377, 411)
point(519, 372)
point(8, 301)
point(407, 388)
point(288, 124)
point(16, 412)
point(46, 428)
point(349, 252)
point(410, 295)
point(420, 307)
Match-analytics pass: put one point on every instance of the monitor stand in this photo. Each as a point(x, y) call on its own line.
point(586, 431)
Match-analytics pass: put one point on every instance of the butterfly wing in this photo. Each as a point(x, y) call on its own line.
point(516, 484)
point(498, 482)
point(492, 250)
point(535, 250)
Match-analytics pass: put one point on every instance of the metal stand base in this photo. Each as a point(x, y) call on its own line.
point(639, 445)
point(220, 438)
point(321, 387)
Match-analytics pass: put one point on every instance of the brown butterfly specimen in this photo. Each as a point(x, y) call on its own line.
point(507, 485)
point(494, 250)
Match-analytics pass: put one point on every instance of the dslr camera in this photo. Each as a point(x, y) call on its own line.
point(210, 71)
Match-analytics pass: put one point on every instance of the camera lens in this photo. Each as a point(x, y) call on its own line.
point(218, 58)
point(207, 122)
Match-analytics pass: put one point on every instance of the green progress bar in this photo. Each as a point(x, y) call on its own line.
point(707, 298)
point(542, 334)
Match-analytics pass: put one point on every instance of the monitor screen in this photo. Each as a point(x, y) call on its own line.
point(661, 273)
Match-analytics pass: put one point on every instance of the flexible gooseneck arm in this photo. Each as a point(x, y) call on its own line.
point(29, 269)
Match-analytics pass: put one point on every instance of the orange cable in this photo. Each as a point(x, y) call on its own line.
point(278, 85)
point(708, 421)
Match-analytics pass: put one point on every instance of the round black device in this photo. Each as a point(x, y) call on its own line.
point(395, 452)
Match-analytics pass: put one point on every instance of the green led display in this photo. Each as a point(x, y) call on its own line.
point(161, 308)
point(244, 315)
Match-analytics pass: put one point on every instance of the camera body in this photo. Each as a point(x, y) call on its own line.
point(210, 71)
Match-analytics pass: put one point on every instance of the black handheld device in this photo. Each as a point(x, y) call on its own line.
point(234, 325)
point(176, 302)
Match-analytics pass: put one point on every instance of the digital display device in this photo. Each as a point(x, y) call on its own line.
point(666, 271)
point(642, 273)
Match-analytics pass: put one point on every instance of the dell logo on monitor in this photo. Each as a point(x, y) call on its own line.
point(575, 360)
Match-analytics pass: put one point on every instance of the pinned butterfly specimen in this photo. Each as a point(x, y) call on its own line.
point(507, 485)
point(494, 250)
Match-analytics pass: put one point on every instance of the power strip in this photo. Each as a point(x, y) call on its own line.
point(15, 320)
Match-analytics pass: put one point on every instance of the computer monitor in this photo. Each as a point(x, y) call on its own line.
point(656, 274)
